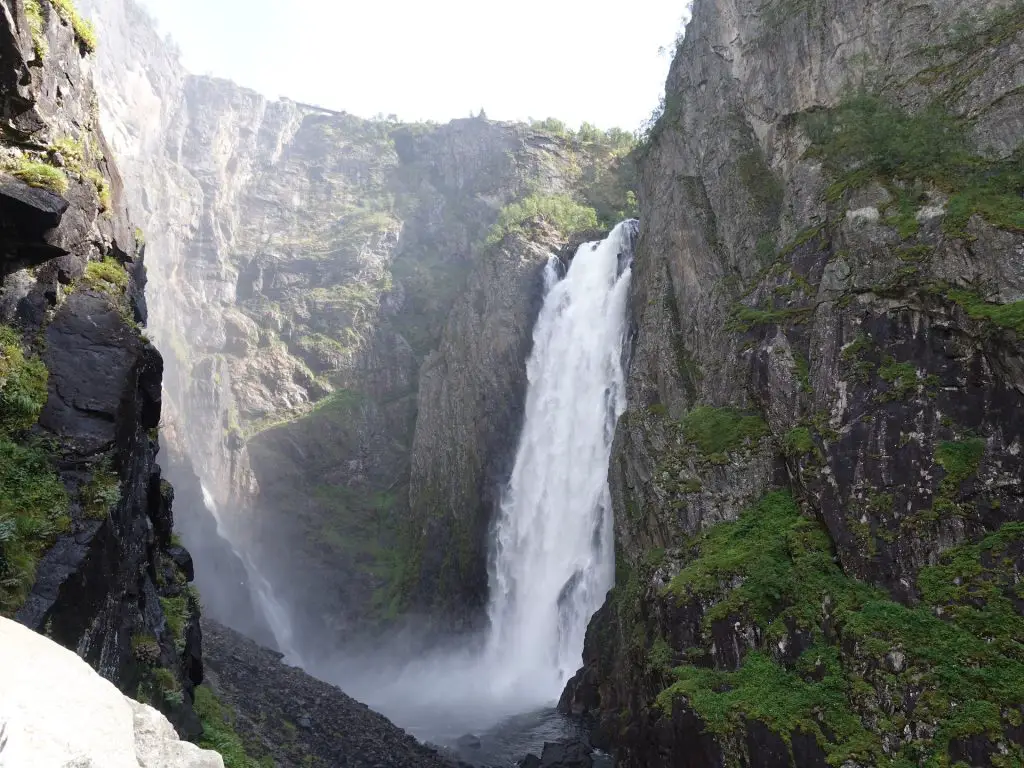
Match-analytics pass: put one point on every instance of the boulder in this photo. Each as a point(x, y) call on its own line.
point(57, 711)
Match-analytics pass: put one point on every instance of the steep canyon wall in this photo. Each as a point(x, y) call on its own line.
point(817, 483)
point(346, 340)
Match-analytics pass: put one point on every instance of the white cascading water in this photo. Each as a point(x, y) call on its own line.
point(273, 611)
point(554, 557)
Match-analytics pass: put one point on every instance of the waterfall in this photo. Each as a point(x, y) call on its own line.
point(554, 557)
point(274, 612)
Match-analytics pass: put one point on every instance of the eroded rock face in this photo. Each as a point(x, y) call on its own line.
point(87, 555)
point(826, 351)
point(57, 711)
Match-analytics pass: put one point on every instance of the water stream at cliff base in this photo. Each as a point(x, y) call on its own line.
point(552, 562)
point(274, 612)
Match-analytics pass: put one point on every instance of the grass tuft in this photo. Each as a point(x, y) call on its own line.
point(41, 175)
point(107, 275)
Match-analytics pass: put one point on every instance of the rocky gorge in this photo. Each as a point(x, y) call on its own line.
point(815, 486)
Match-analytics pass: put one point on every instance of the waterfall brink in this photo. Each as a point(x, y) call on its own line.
point(554, 558)
point(273, 610)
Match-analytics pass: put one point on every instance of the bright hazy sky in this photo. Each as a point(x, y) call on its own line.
point(577, 60)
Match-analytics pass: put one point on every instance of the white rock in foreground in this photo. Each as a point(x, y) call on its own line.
point(57, 712)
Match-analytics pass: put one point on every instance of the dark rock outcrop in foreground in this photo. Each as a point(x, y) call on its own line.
point(86, 550)
point(298, 720)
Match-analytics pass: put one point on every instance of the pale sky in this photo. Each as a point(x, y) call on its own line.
point(576, 60)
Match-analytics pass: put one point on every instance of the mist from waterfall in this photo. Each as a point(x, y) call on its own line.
point(552, 562)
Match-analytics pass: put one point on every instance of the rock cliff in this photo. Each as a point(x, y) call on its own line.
point(87, 554)
point(817, 483)
point(321, 281)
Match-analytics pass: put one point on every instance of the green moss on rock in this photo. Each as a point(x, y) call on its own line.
point(958, 656)
point(867, 139)
point(718, 431)
point(39, 174)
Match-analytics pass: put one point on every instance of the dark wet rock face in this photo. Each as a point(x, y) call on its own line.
point(817, 483)
point(91, 562)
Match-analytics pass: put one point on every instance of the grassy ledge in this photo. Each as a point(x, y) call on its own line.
point(561, 211)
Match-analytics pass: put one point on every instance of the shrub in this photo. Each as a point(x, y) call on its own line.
point(102, 188)
point(72, 150)
point(866, 138)
point(775, 568)
point(102, 493)
point(561, 211)
point(145, 649)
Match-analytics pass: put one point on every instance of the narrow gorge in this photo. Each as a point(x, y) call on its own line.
point(699, 447)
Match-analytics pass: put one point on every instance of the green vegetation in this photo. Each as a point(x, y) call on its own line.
point(38, 174)
point(745, 318)
point(140, 237)
point(102, 188)
point(902, 378)
point(33, 502)
point(798, 441)
point(775, 568)
point(867, 139)
point(33, 512)
point(23, 379)
point(764, 186)
point(718, 431)
point(101, 493)
point(961, 460)
point(219, 732)
point(167, 686)
point(1003, 315)
point(854, 355)
point(560, 211)
point(84, 31)
point(145, 649)
point(36, 23)
point(108, 275)
point(177, 613)
point(73, 152)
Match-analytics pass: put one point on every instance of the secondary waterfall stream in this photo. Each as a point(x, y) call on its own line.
point(274, 612)
point(553, 555)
